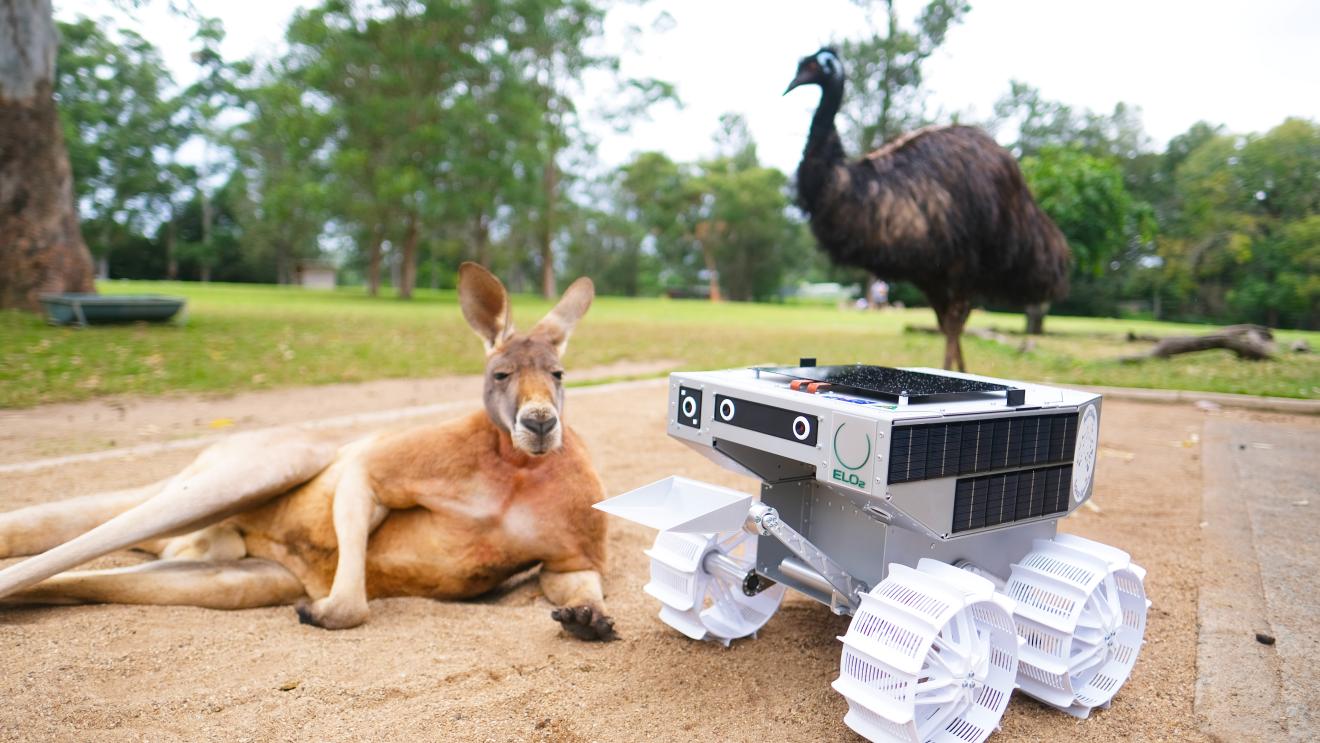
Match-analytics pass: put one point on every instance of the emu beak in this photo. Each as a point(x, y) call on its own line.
point(801, 79)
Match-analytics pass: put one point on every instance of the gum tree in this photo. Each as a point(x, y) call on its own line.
point(41, 245)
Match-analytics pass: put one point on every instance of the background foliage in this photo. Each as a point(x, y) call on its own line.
point(395, 138)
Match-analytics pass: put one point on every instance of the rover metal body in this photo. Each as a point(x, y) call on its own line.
point(922, 502)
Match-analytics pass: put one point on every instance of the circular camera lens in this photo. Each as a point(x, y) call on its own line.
point(726, 409)
point(801, 428)
point(690, 406)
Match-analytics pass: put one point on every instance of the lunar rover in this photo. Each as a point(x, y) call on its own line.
point(924, 504)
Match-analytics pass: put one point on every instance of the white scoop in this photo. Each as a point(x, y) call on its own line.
point(681, 505)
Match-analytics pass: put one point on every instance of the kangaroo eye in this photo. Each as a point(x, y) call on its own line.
point(500, 376)
point(558, 374)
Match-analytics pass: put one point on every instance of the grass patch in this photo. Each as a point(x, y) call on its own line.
point(243, 337)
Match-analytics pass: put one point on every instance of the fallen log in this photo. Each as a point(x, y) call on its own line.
point(1251, 342)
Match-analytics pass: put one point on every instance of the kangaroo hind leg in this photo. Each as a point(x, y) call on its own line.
point(35, 529)
point(236, 584)
point(230, 477)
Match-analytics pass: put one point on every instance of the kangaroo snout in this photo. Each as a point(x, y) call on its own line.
point(539, 423)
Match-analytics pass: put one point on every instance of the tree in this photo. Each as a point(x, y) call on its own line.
point(121, 129)
point(885, 96)
point(1240, 244)
point(664, 198)
point(41, 245)
point(551, 47)
point(283, 173)
point(1085, 196)
point(745, 227)
point(215, 92)
point(1042, 123)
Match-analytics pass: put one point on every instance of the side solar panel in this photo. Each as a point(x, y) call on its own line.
point(991, 500)
point(931, 450)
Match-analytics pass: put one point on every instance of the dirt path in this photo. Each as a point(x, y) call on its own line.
point(499, 669)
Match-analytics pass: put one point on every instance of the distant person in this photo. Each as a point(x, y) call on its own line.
point(878, 294)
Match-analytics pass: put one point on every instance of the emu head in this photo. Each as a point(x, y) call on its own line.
point(524, 388)
point(821, 68)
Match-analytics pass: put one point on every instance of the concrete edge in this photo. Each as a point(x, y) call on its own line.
point(1295, 406)
point(1238, 695)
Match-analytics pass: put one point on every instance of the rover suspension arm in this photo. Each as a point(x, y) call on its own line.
point(764, 520)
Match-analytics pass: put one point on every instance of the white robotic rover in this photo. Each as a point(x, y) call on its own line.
point(924, 504)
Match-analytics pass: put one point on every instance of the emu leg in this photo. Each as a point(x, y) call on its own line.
point(238, 584)
point(230, 477)
point(35, 529)
point(941, 318)
point(955, 320)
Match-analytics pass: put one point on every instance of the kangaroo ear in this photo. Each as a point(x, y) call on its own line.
point(558, 325)
point(485, 305)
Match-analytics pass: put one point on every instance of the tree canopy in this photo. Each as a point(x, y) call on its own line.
point(397, 138)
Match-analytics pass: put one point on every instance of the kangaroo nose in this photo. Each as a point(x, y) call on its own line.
point(539, 426)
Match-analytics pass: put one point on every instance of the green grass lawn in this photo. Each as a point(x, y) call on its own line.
point(242, 337)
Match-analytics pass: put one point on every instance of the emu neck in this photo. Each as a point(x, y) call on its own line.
point(823, 139)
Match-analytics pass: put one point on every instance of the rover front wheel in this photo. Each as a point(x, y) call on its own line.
point(701, 582)
point(1081, 610)
point(931, 655)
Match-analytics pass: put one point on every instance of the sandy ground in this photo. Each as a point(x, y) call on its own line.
point(499, 669)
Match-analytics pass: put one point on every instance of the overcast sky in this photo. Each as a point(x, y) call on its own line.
point(1246, 65)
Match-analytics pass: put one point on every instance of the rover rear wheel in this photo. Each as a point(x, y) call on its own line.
point(1081, 610)
point(702, 601)
point(931, 655)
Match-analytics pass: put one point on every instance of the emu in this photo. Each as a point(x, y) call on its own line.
point(944, 207)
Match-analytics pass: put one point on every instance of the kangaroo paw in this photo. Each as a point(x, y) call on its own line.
point(585, 623)
point(327, 615)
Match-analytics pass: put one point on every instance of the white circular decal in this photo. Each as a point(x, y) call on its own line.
point(1088, 434)
point(726, 409)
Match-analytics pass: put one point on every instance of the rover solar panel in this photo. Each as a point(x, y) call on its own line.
point(944, 453)
point(888, 383)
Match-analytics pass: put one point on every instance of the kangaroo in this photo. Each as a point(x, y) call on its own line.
point(445, 511)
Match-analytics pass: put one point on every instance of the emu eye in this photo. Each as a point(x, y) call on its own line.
point(500, 376)
point(558, 374)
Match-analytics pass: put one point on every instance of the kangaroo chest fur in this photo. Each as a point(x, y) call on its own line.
point(478, 519)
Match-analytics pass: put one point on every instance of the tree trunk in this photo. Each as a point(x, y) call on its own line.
point(171, 255)
point(373, 261)
point(41, 246)
point(1250, 342)
point(708, 255)
point(408, 271)
point(549, 184)
point(1036, 318)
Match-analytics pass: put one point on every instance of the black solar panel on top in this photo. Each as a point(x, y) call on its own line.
point(887, 383)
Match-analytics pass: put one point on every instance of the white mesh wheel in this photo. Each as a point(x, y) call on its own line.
point(1081, 611)
point(708, 604)
point(930, 655)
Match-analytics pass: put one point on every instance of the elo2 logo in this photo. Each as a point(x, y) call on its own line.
point(848, 475)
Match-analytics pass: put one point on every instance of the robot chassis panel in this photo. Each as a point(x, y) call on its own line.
point(924, 504)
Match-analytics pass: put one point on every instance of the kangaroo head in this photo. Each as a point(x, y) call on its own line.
point(524, 387)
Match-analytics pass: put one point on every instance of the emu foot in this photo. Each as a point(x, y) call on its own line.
point(585, 623)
